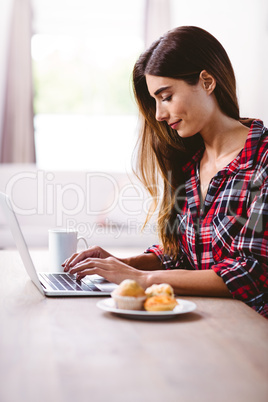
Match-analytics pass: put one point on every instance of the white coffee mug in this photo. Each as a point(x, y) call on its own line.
point(62, 243)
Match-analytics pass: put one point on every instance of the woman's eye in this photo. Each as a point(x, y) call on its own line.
point(167, 99)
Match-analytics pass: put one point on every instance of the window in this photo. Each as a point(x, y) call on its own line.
point(83, 54)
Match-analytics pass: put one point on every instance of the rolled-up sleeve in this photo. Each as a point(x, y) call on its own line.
point(166, 260)
point(181, 262)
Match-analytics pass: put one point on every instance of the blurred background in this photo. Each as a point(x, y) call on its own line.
point(68, 120)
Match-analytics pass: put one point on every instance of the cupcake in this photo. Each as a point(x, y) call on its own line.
point(160, 303)
point(157, 290)
point(129, 295)
point(160, 298)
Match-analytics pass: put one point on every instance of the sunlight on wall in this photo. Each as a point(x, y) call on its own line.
point(90, 143)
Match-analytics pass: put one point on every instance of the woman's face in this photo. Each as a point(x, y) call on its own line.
point(189, 109)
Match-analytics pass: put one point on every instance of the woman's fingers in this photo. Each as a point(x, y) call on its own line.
point(91, 252)
point(77, 257)
point(69, 260)
point(80, 257)
point(95, 266)
point(110, 268)
point(88, 263)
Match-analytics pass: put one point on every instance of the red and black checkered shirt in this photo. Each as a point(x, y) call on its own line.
point(230, 233)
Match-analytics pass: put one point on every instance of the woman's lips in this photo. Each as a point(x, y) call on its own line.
point(175, 125)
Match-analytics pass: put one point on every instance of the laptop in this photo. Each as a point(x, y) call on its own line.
point(49, 283)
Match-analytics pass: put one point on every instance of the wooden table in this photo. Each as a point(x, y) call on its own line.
point(66, 349)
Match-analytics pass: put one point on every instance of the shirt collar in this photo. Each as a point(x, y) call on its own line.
point(244, 160)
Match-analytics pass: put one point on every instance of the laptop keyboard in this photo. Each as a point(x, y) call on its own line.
point(68, 282)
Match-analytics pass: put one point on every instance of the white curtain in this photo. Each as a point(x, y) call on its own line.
point(17, 139)
point(157, 19)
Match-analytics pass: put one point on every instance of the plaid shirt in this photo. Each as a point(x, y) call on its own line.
point(230, 234)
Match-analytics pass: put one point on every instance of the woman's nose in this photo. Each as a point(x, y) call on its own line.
point(160, 113)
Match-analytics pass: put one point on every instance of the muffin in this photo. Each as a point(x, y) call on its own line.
point(160, 303)
point(160, 298)
point(129, 295)
point(157, 290)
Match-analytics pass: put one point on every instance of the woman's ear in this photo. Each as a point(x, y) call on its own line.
point(208, 81)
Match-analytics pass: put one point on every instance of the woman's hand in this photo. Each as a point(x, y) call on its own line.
point(95, 260)
point(91, 252)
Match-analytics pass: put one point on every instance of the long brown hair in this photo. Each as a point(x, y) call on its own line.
point(181, 53)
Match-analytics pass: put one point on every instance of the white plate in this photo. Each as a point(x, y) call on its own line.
point(183, 307)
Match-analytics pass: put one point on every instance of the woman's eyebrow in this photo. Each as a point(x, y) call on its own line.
point(161, 90)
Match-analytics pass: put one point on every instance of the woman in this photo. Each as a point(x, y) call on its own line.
point(213, 215)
